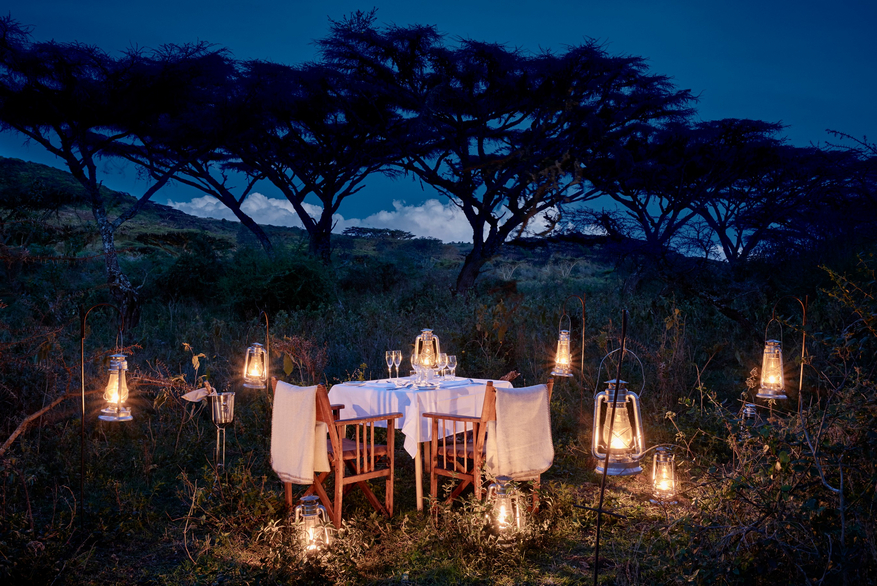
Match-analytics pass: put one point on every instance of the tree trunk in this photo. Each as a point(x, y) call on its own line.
point(320, 238)
point(256, 230)
point(126, 296)
point(472, 266)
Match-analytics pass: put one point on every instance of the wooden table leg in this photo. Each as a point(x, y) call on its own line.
point(418, 477)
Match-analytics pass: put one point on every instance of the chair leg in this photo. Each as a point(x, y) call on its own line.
point(391, 461)
point(339, 492)
point(536, 485)
point(287, 493)
point(433, 477)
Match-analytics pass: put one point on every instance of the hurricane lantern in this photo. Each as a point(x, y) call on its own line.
point(664, 477)
point(506, 508)
point(772, 372)
point(427, 349)
point(256, 367)
point(622, 448)
point(116, 392)
point(563, 358)
point(313, 521)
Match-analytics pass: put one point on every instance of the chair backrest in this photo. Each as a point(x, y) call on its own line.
point(488, 410)
point(324, 414)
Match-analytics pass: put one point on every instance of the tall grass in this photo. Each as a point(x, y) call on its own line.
point(792, 502)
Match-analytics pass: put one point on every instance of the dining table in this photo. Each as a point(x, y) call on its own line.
point(454, 395)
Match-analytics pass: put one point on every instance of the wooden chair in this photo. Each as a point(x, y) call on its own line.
point(457, 446)
point(353, 461)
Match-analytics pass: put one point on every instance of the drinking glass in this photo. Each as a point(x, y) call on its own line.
point(415, 366)
point(397, 360)
point(452, 365)
point(388, 356)
point(441, 364)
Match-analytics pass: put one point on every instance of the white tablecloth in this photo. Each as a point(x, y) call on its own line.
point(463, 396)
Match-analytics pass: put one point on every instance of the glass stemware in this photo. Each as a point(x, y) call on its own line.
point(452, 365)
point(415, 366)
point(388, 356)
point(397, 360)
point(441, 364)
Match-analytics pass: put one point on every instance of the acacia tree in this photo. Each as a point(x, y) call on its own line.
point(654, 178)
point(505, 136)
point(191, 144)
point(80, 104)
point(754, 188)
point(315, 133)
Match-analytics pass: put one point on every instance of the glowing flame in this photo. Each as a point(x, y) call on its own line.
point(502, 517)
point(618, 443)
point(663, 484)
point(255, 370)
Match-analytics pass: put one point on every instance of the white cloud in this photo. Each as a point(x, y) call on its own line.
point(432, 218)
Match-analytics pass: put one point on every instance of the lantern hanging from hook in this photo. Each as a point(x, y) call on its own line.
point(256, 367)
point(116, 392)
point(772, 381)
point(563, 356)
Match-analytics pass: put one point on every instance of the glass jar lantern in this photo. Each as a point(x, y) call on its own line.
point(222, 412)
point(748, 419)
point(116, 392)
point(620, 448)
point(313, 523)
point(663, 477)
point(256, 367)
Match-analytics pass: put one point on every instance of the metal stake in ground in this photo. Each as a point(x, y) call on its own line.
point(606, 466)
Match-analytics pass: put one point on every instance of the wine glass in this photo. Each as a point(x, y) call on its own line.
point(388, 356)
point(397, 360)
point(441, 364)
point(452, 365)
point(415, 366)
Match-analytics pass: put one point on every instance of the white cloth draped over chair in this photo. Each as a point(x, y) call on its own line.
point(515, 437)
point(302, 421)
point(519, 443)
point(298, 444)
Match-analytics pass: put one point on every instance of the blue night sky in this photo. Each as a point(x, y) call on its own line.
point(806, 64)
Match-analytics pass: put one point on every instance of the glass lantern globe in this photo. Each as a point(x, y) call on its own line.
point(506, 509)
point(116, 392)
point(427, 349)
point(256, 367)
point(772, 384)
point(620, 449)
point(314, 532)
point(563, 358)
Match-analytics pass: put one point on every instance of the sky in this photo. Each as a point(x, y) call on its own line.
point(807, 64)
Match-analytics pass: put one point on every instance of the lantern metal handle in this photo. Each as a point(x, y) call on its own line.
point(803, 305)
point(581, 301)
point(779, 325)
point(626, 351)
